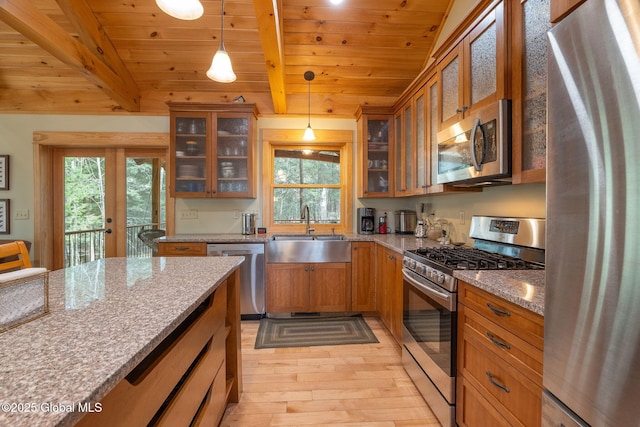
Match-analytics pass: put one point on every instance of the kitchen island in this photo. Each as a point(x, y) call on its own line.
point(111, 317)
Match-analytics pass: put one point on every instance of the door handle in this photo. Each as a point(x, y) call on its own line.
point(108, 231)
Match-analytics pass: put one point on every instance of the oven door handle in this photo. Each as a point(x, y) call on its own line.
point(446, 300)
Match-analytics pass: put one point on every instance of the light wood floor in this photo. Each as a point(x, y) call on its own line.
point(349, 385)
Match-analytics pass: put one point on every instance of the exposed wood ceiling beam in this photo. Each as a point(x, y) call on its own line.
point(27, 19)
point(268, 14)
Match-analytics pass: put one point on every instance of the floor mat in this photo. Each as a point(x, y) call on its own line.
point(305, 332)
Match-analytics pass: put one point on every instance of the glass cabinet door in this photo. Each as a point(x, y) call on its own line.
point(377, 158)
point(233, 152)
point(191, 146)
point(421, 153)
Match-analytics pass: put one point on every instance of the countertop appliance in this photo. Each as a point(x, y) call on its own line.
point(366, 220)
point(477, 150)
point(405, 221)
point(248, 223)
point(252, 275)
point(430, 299)
point(591, 371)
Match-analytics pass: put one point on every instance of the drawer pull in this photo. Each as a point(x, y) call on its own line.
point(182, 248)
point(498, 311)
point(498, 342)
point(496, 383)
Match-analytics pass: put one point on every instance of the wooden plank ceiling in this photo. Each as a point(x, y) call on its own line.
point(127, 56)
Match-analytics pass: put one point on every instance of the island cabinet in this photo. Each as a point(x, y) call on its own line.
point(376, 162)
point(530, 24)
point(363, 291)
point(500, 351)
point(212, 150)
point(473, 73)
point(189, 378)
point(308, 287)
point(389, 289)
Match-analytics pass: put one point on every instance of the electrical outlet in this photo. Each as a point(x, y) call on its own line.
point(461, 214)
point(22, 214)
point(189, 214)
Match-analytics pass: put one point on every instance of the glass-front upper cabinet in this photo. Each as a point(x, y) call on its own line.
point(472, 74)
point(531, 22)
point(213, 150)
point(376, 145)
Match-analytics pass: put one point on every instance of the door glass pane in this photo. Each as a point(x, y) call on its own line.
point(483, 65)
point(399, 169)
point(232, 154)
point(450, 89)
point(378, 156)
point(534, 139)
point(433, 127)
point(84, 209)
point(146, 205)
point(421, 172)
point(408, 149)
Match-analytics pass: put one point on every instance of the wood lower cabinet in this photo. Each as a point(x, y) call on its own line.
point(314, 287)
point(189, 378)
point(499, 361)
point(363, 291)
point(389, 289)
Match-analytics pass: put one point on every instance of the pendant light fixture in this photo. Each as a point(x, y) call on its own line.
point(308, 132)
point(182, 9)
point(221, 70)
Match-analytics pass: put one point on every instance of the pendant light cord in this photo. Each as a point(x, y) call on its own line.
point(309, 109)
point(222, 26)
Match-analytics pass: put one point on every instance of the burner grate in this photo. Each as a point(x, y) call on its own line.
point(474, 259)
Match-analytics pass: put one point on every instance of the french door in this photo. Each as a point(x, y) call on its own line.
point(102, 199)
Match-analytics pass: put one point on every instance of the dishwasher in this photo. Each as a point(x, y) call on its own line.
point(252, 275)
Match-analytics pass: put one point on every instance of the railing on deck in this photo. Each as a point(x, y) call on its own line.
point(88, 245)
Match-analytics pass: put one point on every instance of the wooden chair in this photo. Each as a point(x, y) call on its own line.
point(17, 254)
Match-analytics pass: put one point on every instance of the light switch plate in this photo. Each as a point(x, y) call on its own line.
point(22, 214)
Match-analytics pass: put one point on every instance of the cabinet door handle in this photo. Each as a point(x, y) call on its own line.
point(462, 110)
point(496, 383)
point(498, 342)
point(313, 269)
point(498, 311)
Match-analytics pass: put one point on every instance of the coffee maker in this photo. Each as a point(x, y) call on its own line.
point(366, 220)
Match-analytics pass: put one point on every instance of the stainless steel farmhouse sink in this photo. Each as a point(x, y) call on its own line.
point(300, 248)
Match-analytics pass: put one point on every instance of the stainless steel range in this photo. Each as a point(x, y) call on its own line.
point(430, 299)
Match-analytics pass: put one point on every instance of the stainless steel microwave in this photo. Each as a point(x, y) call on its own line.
point(477, 150)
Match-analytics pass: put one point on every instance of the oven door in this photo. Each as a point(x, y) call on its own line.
point(477, 148)
point(429, 330)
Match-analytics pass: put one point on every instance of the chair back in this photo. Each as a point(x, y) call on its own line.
point(17, 254)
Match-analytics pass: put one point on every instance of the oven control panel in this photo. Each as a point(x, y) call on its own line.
point(432, 274)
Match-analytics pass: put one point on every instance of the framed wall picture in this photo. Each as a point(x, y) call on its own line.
point(4, 216)
point(4, 172)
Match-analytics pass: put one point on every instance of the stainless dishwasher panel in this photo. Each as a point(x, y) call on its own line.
point(252, 275)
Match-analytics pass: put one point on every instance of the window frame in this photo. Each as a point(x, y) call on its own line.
point(277, 139)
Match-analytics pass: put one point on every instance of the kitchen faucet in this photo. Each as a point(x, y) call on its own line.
point(306, 215)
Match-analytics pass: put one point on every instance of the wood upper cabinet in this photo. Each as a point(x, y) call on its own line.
point(473, 74)
point(316, 287)
point(363, 292)
point(411, 147)
point(376, 147)
point(500, 354)
point(561, 8)
point(213, 150)
point(530, 23)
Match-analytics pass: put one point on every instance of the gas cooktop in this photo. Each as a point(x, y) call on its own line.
point(458, 258)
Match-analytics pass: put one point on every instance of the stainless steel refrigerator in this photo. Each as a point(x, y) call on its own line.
point(592, 297)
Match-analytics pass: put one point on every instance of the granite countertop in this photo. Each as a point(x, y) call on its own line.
point(522, 287)
point(105, 318)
